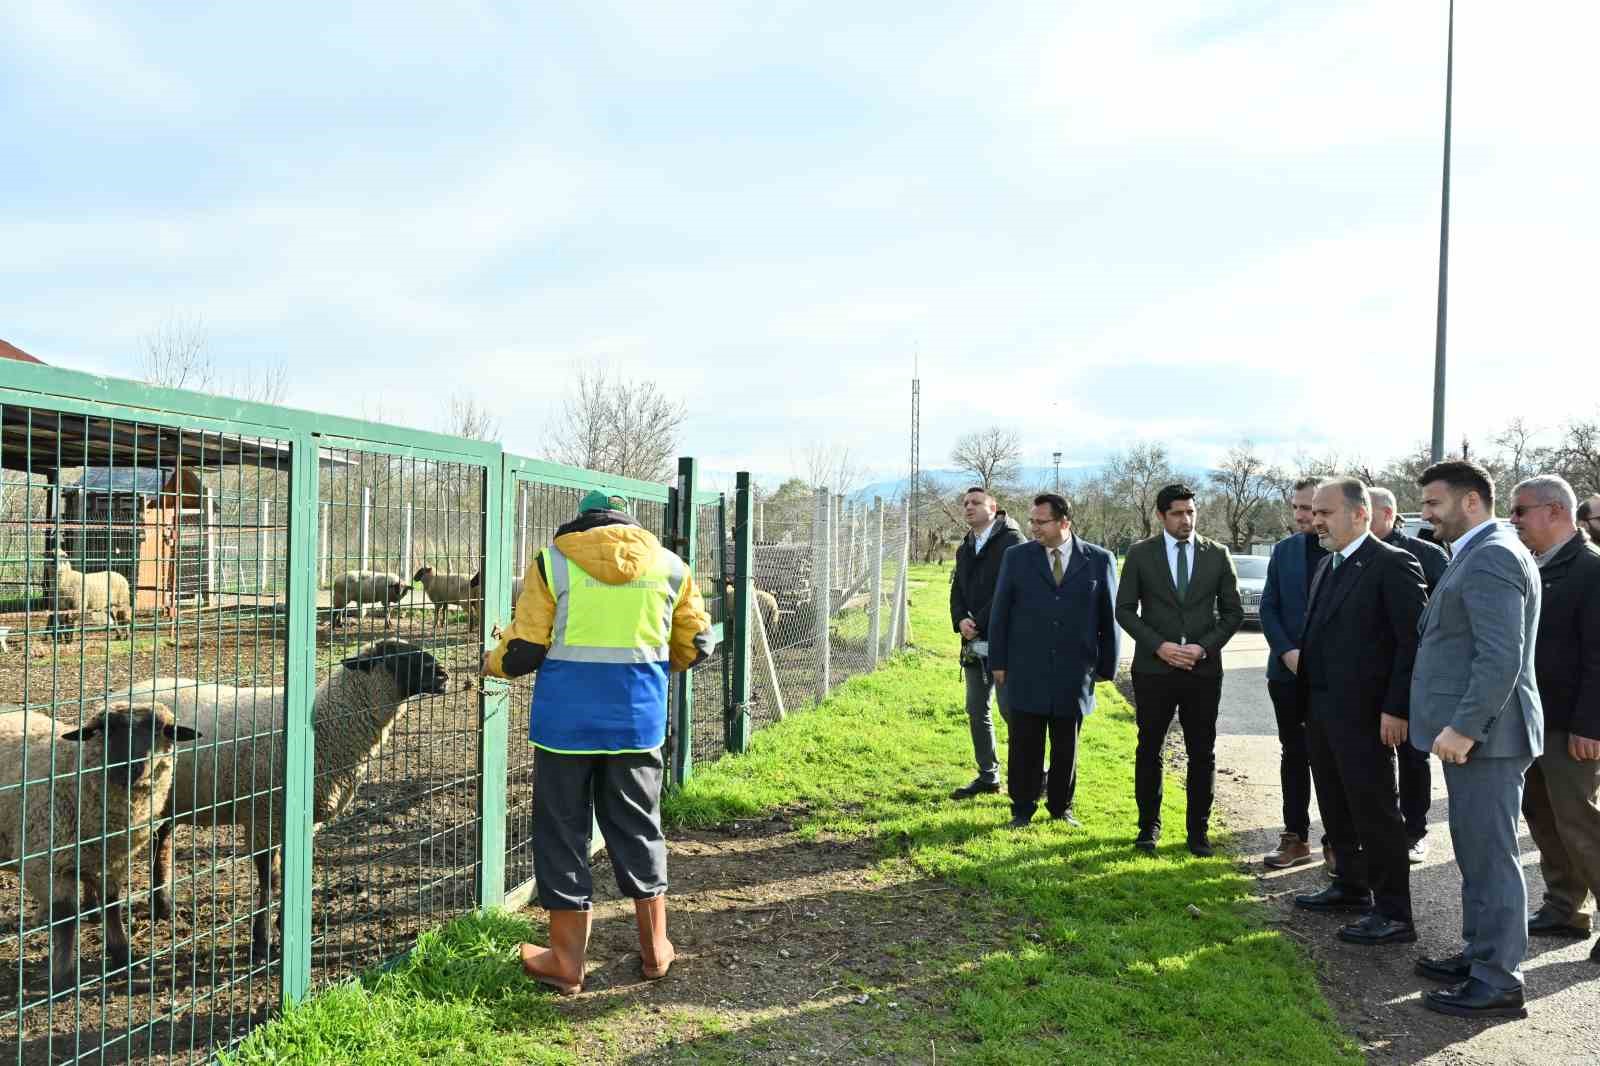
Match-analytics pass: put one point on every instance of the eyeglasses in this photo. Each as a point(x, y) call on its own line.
point(1520, 510)
point(1045, 521)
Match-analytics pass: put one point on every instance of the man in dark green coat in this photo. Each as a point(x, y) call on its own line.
point(1179, 600)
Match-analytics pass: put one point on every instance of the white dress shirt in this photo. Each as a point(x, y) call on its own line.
point(980, 539)
point(1461, 542)
point(1172, 555)
point(1351, 548)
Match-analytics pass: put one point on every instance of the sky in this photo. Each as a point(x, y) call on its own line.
point(1097, 223)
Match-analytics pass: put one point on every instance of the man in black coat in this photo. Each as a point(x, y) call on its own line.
point(1561, 800)
point(1354, 676)
point(989, 534)
point(1053, 634)
point(1416, 770)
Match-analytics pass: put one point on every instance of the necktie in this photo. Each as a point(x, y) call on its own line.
point(1183, 569)
point(1338, 557)
point(1055, 564)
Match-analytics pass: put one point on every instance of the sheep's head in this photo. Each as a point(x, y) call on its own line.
point(422, 574)
point(415, 671)
point(132, 732)
point(477, 579)
point(397, 591)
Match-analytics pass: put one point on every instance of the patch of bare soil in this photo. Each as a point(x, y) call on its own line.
point(789, 949)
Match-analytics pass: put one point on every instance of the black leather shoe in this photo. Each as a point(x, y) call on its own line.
point(1068, 817)
point(1594, 952)
point(1019, 822)
point(1201, 848)
point(1545, 923)
point(1146, 842)
point(976, 787)
point(1335, 897)
point(1474, 999)
point(1375, 929)
point(1454, 968)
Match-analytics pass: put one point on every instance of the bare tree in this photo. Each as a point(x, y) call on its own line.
point(1246, 486)
point(993, 456)
point(617, 425)
point(1138, 475)
point(466, 417)
point(831, 467)
point(177, 354)
point(1578, 455)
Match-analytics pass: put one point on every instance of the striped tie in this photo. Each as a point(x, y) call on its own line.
point(1055, 564)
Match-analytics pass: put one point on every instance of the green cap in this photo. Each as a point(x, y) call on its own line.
point(600, 501)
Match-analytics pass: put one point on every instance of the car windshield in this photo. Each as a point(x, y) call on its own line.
point(1251, 566)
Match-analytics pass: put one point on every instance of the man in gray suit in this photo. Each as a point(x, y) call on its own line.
point(1475, 704)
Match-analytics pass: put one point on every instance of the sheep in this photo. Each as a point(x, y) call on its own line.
point(516, 590)
point(78, 832)
point(362, 587)
point(233, 778)
point(766, 602)
point(99, 594)
point(447, 589)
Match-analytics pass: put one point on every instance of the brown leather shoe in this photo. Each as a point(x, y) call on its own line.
point(561, 964)
point(655, 950)
point(1292, 851)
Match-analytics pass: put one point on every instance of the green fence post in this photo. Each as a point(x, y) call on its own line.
point(299, 739)
point(688, 528)
point(739, 644)
point(500, 494)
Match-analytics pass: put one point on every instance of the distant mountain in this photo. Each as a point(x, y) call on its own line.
point(1031, 476)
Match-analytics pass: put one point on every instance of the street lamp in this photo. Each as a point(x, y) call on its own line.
point(1056, 458)
point(1436, 451)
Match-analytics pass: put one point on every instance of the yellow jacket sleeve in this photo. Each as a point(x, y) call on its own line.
point(535, 615)
point(691, 628)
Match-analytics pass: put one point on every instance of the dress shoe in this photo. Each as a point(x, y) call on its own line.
point(1146, 842)
point(1545, 922)
point(1594, 952)
point(1068, 817)
point(1292, 851)
point(1473, 998)
point(1020, 822)
point(1200, 847)
point(976, 787)
point(1327, 858)
point(1417, 851)
point(1335, 897)
point(1375, 929)
point(1452, 969)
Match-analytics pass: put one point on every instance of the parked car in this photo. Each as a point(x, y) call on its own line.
point(1252, 571)
point(1413, 525)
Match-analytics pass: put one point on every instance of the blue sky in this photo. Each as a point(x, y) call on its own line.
point(1098, 222)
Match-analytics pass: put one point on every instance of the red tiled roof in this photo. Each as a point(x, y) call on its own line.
point(10, 351)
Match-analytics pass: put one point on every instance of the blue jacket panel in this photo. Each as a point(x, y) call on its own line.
point(599, 707)
point(1283, 602)
point(1054, 642)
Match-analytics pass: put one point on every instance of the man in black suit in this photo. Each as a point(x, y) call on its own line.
point(1354, 677)
point(1179, 600)
point(1416, 770)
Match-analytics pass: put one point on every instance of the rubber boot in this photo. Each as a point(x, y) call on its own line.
point(655, 950)
point(561, 964)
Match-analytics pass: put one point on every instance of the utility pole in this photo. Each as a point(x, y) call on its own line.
point(1437, 450)
point(913, 497)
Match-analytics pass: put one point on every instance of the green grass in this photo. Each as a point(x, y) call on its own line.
point(1110, 956)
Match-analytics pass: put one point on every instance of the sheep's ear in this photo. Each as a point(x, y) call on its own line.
point(364, 663)
point(180, 732)
point(86, 732)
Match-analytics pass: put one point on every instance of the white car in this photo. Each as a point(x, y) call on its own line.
point(1252, 570)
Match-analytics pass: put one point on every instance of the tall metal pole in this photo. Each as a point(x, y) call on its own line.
point(1437, 450)
point(1056, 457)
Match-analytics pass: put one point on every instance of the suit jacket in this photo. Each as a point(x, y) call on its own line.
point(972, 584)
point(1148, 607)
point(1360, 639)
point(1474, 669)
point(1283, 602)
point(1054, 640)
point(1429, 555)
point(1567, 662)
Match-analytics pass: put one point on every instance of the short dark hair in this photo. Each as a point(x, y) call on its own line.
point(1462, 475)
point(1059, 507)
point(1583, 511)
point(1310, 481)
point(969, 490)
point(1171, 494)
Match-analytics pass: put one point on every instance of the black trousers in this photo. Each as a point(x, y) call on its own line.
point(1025, 762)
point(1416, 790)
point(1194, 701)
point(1354, 773)
point(1294, 762)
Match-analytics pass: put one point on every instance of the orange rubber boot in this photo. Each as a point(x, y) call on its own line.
point(655, 950)
point(561, 964)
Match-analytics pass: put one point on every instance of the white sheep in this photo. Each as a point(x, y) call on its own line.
point(445, 590)
point(235, 776)
point(362, 587)
point(516, 590)
point(62, 831)
point(99, 595)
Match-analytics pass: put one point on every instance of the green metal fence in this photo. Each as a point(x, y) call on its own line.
point(312, 596)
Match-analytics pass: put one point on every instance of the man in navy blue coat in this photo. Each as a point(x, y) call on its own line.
point(1283, 620)
point(1052, 633)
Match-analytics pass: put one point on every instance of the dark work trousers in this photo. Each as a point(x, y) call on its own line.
point(1354, 772)
point(980, 683)
point(571, 793)
point(1294, 760)
point(1416, 790)
point(1194, 701)
point(1025, 762)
